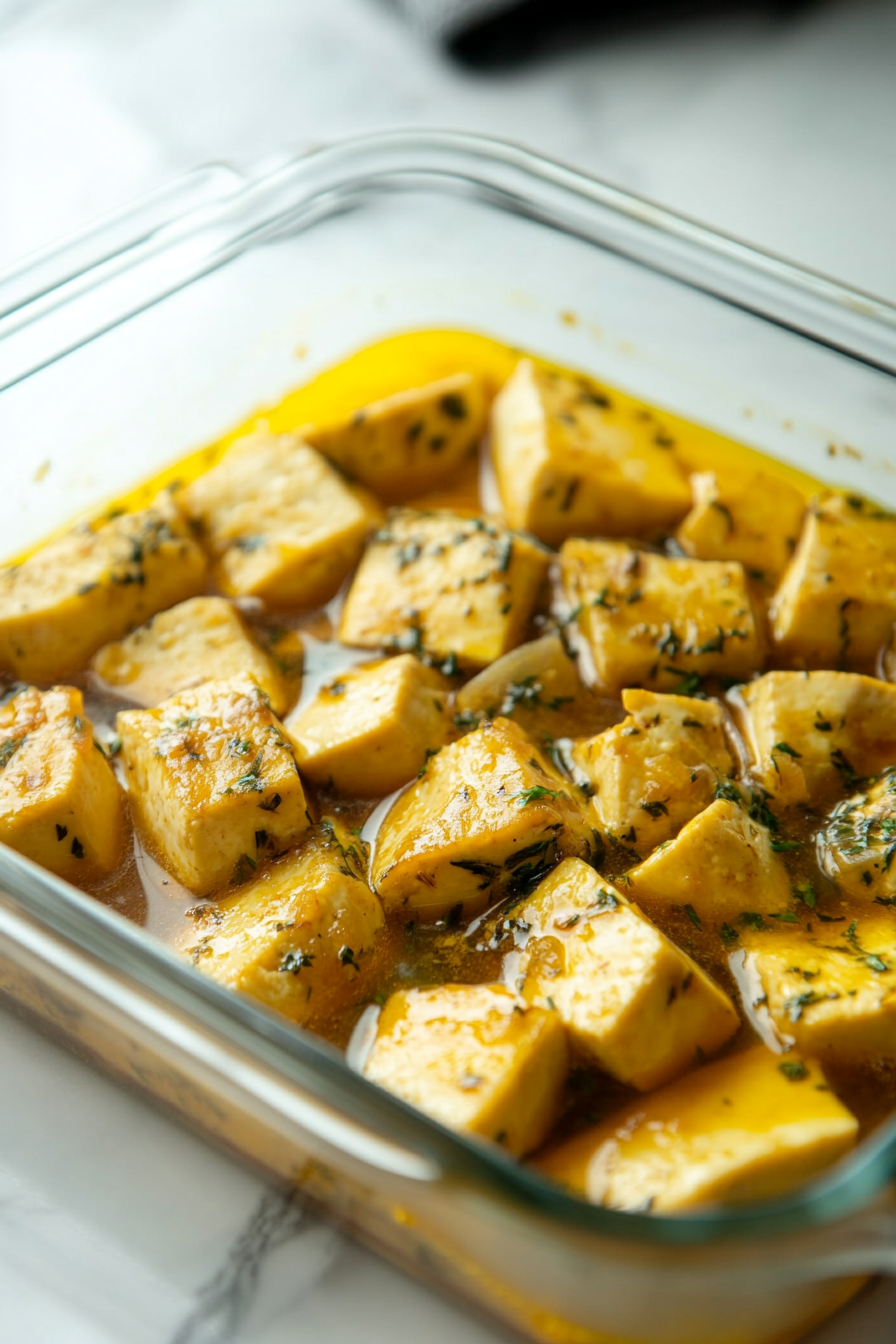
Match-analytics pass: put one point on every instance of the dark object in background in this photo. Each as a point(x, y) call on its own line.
point(493, 33)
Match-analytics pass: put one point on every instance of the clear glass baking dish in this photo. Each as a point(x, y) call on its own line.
point(139, 341)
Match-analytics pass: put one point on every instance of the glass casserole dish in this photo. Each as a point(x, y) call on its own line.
point(169, 325)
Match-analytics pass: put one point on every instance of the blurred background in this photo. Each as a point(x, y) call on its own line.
point(772, 121)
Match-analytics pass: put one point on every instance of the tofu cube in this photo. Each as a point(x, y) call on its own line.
point(300, 935)
point(829, 989)
point(60, 803)
point(657, 769)
point(568, 464)
point(196, 641)
point(373, 728)
point(280, 521)
point(633, 1003)
point(533, 683)
point(754, 518)
point(836, 603)
point(486, 815)
point(857, 847)
point(213, 782)
point(411, 442)
point(459, 588)
point(642, 619)
point(720, 865)
point(748, 1127)
point(475, 1059)
point(92, 585)
point(810, 734)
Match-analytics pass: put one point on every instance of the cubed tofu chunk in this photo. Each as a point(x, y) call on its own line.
point(532, 683)
point(200, 639)
point(720, 865)
point(633, 1003)
point(280, 521)
point(830, 990)
point(300, 934)
point(460, 588)
point(487, 813)
point(836, 603)
point(568, 465)
point(60, 803)
point(858, 845)
point(640, 619)
point(809, 734)
point(658, 768)
point(754, 518)
point(92, 585)
point(475, 1059)
point(411, 442)
point(213, 783)
point(749, 1127)
point(373, 728)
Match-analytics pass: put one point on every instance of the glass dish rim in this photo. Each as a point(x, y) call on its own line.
point(514, 179)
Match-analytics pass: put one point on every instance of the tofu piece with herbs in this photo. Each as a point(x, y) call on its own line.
point(567, 464)
point(633, 1003)
point(636, 618)
point(657, 769)
point(857, 847)
point(373, 728)
point(748, 1127)
point(531, 683)
point(300, 935)
point(60, 803)
point(460, 589)
point(213, 783)
point(830, 991)
point(200, 639)
point(754, 518)
point(809, 735)
point(722, 864)
point(836, 603)
point(488, 814)
point(475, 1059)
point(411, 442)
point(279, 520)
point(92, 585)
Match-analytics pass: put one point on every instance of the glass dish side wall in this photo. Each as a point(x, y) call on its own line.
point(302, 288)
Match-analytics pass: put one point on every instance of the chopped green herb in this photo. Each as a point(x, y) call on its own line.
point(693, 916)
point(794, 1070)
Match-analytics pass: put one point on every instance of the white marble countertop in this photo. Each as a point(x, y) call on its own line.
point(116, 1226)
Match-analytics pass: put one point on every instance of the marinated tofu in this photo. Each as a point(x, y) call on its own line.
point(858, 845)
point(568, 465)
point(461, 589)
point(536, 684)
point(642, 619)
point(634, 1004)
point(60, 803)
point(836, 603)
point(92, 585)
point(657, 769)
point(299, 935)
point(279, 520)
point(809, 735)
point(474, 1058)
point(744, 1128)
point(199, 640)
point(213, 783)
point(830, 991)
point(373, 728)
point(722, 864)
point(409, 443)
point(754, 518)
point(488, 813)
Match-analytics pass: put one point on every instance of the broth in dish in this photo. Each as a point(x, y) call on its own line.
point(530, 743)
